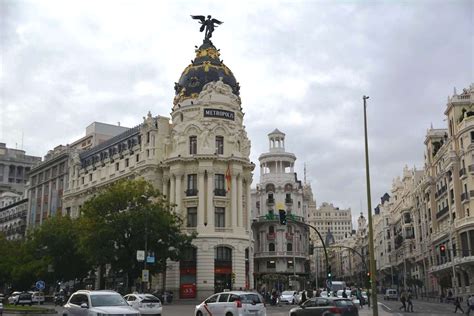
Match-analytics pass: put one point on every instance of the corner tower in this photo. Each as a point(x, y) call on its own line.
point(280, 250)
point(207, 176)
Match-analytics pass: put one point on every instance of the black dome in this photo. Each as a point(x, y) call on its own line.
point(205, 68)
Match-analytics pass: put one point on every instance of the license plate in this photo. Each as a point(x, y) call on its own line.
point(150, 305)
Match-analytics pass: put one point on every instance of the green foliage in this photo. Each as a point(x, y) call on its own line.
point(118, 220)
point(57, 241)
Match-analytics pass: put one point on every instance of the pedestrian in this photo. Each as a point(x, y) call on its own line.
point(457, 304)
point(303, 297)
point(410, 303)
point(403, 300)
point(368, 298)
point(470, 301)
point(344, 294)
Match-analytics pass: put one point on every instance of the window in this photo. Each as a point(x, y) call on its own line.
point(137, 157)
point(223, 297)
point(117, 166)
point(192, 185)
point(219, 145)
point(90, 176)
point(126, 162)
point(290, 264)
point(271, 264)
point(271, 230)
point(219, 185)
point(289, 247)
point(192, 217)
point(223, 254)
point(192, 145)
point(271, 247)
point(220, 217)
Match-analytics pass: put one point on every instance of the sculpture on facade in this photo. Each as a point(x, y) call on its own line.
point(207, 25)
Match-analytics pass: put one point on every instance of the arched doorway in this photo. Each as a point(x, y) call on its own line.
point(222, 268)
point(187, 269)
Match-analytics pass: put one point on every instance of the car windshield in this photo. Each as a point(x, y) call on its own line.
point(148, 298)
point(107, 300)
point(250, 298)
point(287, 293)
point(343, 303)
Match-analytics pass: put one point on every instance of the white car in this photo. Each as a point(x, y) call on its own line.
point(289, 297)
point(235, 303)
point(37, 297)
point(93, 303)
point(1, 308)
point(348, 293)
point(146, 304)
point(13, 298)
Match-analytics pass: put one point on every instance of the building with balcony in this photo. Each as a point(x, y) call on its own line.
point(13, 212)
point(49, 179)
point(14, 168)
point(280, 251)
point(199, 159)
point(431, 210)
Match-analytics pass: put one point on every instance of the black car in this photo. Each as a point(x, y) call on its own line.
point(326, 306)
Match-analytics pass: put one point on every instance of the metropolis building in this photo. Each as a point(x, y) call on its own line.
point(199, 159)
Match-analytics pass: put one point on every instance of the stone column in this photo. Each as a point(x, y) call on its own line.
point(248, 207)
point(233, 204)
point(240, 214)
point(165, 187)
point(179, 199)
point(201, 201)
point(172, 197)
point(210, 200)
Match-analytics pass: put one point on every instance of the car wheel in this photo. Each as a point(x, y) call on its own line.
point(199, 313)
point(228, 314)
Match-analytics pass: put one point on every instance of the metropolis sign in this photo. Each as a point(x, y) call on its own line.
point(219, 113)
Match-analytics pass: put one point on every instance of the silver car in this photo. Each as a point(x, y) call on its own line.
point(146, 304)
point(235, 303)
point(97, 303)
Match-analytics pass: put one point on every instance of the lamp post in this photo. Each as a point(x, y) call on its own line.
point(369, 210)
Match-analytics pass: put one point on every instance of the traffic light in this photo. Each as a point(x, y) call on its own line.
point(442, 250)
point(282, 217)
point(368, 274)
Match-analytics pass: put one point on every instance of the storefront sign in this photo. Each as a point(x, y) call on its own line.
point(228, 115)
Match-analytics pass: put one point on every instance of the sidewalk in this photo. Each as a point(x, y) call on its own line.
point(368, 311)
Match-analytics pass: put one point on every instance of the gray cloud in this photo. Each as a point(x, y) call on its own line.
point(303, 67)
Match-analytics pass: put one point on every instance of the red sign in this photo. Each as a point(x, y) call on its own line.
point(223, 270)
point(187, 291)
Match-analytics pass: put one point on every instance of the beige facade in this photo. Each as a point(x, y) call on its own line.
point(13, 212)
point(280, 251)
point(431, 209)
point(199, 159)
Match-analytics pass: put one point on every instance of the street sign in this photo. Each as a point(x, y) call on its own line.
point(145, 275)
point(329, 284)
point(140, 255)
point(150, 259)
point(40, 285)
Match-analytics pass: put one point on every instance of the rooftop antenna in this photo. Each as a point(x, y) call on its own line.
point(22, 137)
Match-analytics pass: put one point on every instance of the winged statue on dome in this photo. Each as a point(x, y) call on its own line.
point(207, 25)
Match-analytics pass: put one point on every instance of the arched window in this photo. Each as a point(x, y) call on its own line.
point(223, 254)
point(288, 187)
point(271, 247)
point(289, 247)
point(270, 188)
point(271, 230)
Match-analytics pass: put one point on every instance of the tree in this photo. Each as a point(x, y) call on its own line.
point(57, 241)
point(121, 218)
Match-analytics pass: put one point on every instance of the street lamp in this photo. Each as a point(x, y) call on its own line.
point(369, 210)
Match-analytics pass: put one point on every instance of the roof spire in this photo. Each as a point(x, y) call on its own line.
point(305, 173)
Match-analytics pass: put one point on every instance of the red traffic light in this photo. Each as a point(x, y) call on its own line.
point(442, 250)
point(368, 274)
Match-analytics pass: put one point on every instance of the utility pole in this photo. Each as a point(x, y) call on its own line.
point(369, 210)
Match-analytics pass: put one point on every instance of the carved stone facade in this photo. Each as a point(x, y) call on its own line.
point(281, 252)
point(200, 161)
point(432, 208)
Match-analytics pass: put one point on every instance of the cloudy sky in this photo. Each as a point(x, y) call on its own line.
point(303, 67)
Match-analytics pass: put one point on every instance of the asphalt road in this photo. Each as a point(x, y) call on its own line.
point(420, 308)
